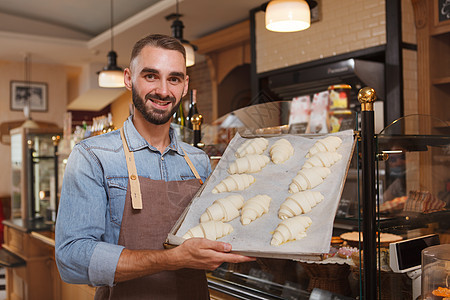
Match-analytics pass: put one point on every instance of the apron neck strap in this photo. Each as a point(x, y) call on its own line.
point(191, 165)
point(135, 188)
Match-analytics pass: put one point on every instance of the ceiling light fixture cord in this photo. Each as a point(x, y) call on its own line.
point(112, 26)
point(27, 107)
point(26, 69)
point(27, 73)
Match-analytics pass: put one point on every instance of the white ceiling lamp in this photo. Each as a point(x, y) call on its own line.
point(112, 75)
point(288, 15)
point(177, 32)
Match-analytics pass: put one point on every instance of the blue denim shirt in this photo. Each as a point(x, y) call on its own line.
point(93, 196)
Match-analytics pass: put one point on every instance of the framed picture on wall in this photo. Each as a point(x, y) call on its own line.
point(35, 92)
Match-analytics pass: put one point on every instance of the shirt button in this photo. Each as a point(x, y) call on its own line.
point(162, 157)
point(133, 177)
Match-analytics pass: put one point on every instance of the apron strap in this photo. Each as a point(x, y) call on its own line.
point(191, 165)
point(135, 188)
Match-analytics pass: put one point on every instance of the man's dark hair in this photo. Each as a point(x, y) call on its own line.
point(159, 41)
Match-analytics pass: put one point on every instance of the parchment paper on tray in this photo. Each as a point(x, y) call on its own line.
point(274, 180)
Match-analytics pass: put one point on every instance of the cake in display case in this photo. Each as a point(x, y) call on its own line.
point(436, 272)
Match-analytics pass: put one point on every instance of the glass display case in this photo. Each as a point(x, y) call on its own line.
point(274, 278)
point(34, 177)
point(412, 195)
point(414, 175)
point(413, 184)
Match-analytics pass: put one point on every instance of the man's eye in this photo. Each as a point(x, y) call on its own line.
point(150, 76)
point(175, 80)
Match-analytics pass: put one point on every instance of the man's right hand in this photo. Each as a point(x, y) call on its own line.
point(199, 253)
point(195, 253)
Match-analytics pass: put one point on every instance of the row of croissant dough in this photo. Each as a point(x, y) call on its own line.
point(321, 156)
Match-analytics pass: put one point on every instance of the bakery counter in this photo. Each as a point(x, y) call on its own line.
point(37, 276)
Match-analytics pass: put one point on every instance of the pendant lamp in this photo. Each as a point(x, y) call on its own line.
point(177, 32)
point(29, 123)
point(112, 75)
point(288, 15)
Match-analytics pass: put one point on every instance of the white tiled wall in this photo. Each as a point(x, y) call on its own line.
point(410, 88)
point(344, 26)
point(409, 66)
point(408, 27)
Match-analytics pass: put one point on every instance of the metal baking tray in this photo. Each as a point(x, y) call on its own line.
point(274, 180)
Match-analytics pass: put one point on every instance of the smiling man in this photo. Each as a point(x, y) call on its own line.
point(123, 191)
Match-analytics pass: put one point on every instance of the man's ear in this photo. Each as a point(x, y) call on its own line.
point(127, 79)
point(186, 86)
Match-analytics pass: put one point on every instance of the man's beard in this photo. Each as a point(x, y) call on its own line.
point(154, 116)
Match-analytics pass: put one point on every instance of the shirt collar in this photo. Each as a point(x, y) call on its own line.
point(136, 142)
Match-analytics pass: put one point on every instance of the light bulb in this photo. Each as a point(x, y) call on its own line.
point(111, 79)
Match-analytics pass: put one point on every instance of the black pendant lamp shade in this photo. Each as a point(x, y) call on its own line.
point(177, 32)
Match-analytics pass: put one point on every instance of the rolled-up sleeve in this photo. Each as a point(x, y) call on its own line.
point(82, 255)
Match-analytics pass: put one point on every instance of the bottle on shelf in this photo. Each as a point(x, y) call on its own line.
point(179, 119)
point(178, 116)
point(192, 108)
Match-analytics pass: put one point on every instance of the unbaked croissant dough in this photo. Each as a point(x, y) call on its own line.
point(254, 208)
point(224, 209)
point(252, 146)
point(281, 151)
point(248, 164)
point(328, 144)
point(299, 203)
point(322, 159)
point(290, 229)
point(212, 230)
point(308, 178)
point(235, 182)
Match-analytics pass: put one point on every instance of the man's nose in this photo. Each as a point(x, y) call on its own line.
point(163, 88)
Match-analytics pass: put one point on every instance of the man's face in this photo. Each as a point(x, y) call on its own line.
point(158, 81)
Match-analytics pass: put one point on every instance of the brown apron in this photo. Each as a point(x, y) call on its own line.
point(161, 204)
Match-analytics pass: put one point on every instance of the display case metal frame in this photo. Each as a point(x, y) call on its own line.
point(26, 153)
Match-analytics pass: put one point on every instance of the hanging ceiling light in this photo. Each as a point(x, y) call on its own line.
point(29, 123)
point(112, 75)
point(177, 32)
point(289, 15)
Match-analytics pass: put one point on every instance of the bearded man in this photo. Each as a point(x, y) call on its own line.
point(124, 190)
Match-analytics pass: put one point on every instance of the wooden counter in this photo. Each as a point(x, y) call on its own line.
point(39, 277)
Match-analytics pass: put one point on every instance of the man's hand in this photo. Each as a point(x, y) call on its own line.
point(195, 253)
point(198, 253)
